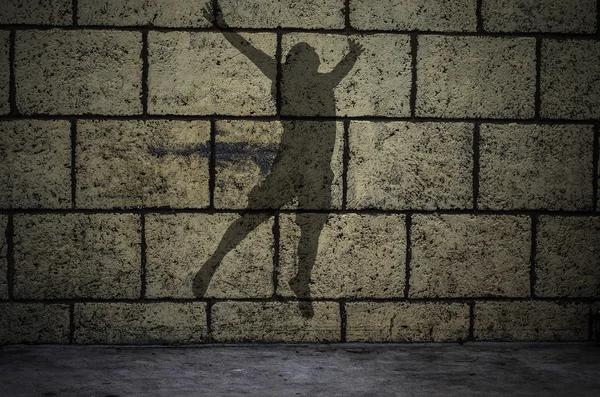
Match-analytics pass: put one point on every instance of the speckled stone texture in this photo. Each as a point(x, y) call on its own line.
point(35, 164)
point(3, 259)
point(531, 321)
point(378, 84)
point(536, 167)
point(4, 73)
point(77, 256)
point(460, 256)
point(178, 245)
point(36, 12)
point(568, 257)
point(140, 323)
point(68, 72)
point(357, 256)
point(33, 323)
point(475, 77)
point(548, 16)
point(306, 14)
point(132, 164)
point(406, 322)
point(202, 73)
point(570, 79)
point(422, 15)
point(164, 13)
point(275, 322)
point(288, 164)
point(399, 165)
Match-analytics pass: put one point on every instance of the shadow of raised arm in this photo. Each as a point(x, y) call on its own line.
point(346, 64)
point(264, 62)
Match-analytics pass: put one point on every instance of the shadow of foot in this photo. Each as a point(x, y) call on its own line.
point(203, 277)
point(301, 290)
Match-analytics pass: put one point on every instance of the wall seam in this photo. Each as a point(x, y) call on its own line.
point(476, 165)
point(343, 322)
point(276, 252)
point(75, 11)
point(143, 256)
point(532, 258)
point(414, 48)
point(73, 163)
point(145, 69)
point(12, 87)
point(595, 160)
point(538, 72)
point(408, 258)
point(10, 257)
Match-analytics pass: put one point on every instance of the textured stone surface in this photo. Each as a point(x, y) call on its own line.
point(142, 164)
point(407, 322)
point(307, 14)
point(35, 164)
point(356, 255)
point(4, 72)
point(539, 16)
point(531, 321)
point(36, 12)
point(568, 257)
point(202, 73)
point(167, 13)
point(33, 323)
point(78, 72)
point(536, 167)
point(77, 256)
point(275, 322)
point(469, 256)
point(3, 259)
point(475, 77)
point(402, 165)
point(378, 83)
point(570, 79)
point(291, 164)
point(178, 246)
point(428, 15)
point(137, 323)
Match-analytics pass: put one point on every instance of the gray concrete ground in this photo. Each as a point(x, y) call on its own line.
point(473, 369)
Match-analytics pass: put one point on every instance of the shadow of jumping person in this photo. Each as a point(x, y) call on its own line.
point(301, 170)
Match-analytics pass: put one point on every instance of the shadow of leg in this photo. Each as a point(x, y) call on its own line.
point(236, 232)
point(308, 244)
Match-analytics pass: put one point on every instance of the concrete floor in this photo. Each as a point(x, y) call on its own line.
point(473, 369)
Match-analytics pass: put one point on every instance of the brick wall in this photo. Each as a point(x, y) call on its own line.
point(461, 200)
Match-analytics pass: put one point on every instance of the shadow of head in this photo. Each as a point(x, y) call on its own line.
point(304, 56)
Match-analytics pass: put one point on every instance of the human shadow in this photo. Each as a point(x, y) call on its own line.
point(301, 172)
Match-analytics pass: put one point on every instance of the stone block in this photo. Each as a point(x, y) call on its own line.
point(289, 164)
point(76, 72)
point(378, 84)
point(568, 257)
point(407, 322)
point(125, 164)
point(179, 245)
point(36, 12)
point(536, 167)
point(356, 255)
point(463, 256)
point(202, 73)
point(399, 165)
point(33, 323)
point(275, 322)
point(478, 77)
point(77, 256)
point(35, 159)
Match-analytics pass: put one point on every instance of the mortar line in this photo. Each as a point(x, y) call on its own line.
point(278, 73)
point(12, 87)
point(10, 256)
point(143, 256)
point(595, 159)
point(215, 8)
point(276, 248)
point(538, 72)
point(345, 164)
point(212, 165)
point(209, 330)
point(472, 320)
point(74, 11)
point(408, 256)
point(479, 15)
point(598, 17)
point(343, 322)
point(274, 117)
point(73, 163)
point(145, 67)
point(532, 268)
point(347, 22)
point(591, 324)
point(71, 323)
point(414, 48)
point(476, 165)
